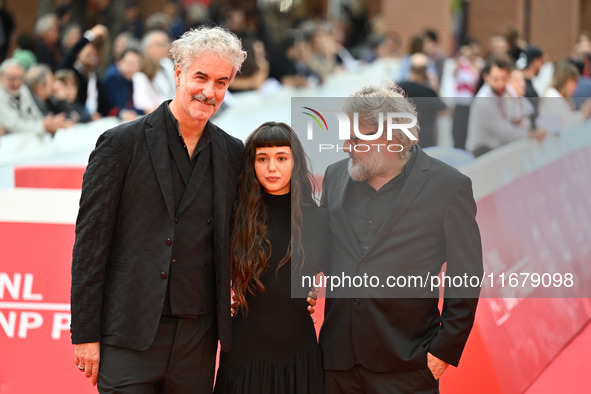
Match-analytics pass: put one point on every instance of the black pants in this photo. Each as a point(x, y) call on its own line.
point(180, 360)
point(359, 380)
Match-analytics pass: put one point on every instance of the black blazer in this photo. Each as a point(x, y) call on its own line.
point(126, 224)
point(432, 221)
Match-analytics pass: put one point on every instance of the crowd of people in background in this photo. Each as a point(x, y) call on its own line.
point(507, 106)
point(62, 73)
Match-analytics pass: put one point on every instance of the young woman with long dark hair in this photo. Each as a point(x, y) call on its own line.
point(279, 233)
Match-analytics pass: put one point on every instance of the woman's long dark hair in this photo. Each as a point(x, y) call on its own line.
point(250, 245)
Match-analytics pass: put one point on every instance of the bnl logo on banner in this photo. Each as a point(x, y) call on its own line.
point(358, 142)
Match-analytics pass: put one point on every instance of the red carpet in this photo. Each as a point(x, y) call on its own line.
point(569, 371)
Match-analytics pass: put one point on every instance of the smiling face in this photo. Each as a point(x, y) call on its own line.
point(272, 166)
point(201, 88)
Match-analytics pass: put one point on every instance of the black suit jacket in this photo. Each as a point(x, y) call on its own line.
point(432, 221)
point(125, 227)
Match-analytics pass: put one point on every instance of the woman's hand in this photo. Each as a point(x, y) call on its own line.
point(234, 305)
point(312, 297)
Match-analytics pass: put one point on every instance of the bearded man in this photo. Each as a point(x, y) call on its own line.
point(395, 214)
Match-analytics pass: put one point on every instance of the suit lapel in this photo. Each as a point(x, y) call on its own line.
point(413, 184)
point(219, 161)
point(342, 222)
point(195, 180)
point(158, 147)
point(180, 158)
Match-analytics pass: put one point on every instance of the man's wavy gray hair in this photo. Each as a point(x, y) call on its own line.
point(371, 100)
point(208, 39)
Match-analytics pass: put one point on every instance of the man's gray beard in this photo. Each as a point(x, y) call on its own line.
point(357, 171)
point(363, 170)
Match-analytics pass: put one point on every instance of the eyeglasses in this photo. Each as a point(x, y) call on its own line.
point(354, 141)
point(14, 78)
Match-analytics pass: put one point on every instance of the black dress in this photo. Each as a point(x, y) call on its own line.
point(274, 348)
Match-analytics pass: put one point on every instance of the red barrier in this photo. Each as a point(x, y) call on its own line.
point(539, 223)
point(50, 177)
point(37, 355)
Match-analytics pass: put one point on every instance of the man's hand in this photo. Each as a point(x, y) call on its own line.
point(312, 297)
point(127, 115)
point(436, 366)
point(100, 31)
point(53, 123)
point(538, 134)
point(87, 358)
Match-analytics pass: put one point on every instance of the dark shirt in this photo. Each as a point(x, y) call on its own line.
point(367, 208)
point(46, 55)
point(185, 170)
point(119, 91)
point(280, 66)
point(7, 24)
point(428, 104)
point(134, 27)
point(55, 106)
point(530, 91)
point(44, 106)
point(73, 110)
point(582, 92)
point(532, 95)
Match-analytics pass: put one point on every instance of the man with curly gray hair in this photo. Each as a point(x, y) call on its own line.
point(151, 264)
point(395, 212)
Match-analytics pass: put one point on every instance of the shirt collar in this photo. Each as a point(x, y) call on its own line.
point(174, 132)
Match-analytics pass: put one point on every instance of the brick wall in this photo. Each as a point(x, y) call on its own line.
point(408, 18)
point(586, 15)
point(489, 17)
point(23, 13)
point(554, 25)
